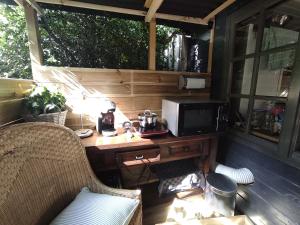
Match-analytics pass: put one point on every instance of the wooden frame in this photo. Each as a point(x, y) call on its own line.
point(135, 12)
point(34, 38)
point(32, 3)
point(35, 48)
point(147, 3)
point(152, 46)
point(151, 13)
point(284, 150)
point(152, 10)
point(211, 48)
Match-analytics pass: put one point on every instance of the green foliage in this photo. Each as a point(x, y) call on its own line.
point(42, 100)
point(81, 40)
point(77, 40)
point(14, 52)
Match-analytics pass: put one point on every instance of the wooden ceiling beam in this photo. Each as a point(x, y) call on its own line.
point(152, 10)
point(135, 12)
point(223, 6)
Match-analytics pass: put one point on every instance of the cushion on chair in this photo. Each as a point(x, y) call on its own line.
point(97, 209)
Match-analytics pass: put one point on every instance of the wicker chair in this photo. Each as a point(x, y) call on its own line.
point(43, 166)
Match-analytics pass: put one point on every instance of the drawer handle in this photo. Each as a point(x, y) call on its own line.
point(139, 157)
point(186, 149)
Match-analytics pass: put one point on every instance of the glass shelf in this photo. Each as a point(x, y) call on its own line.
point(267, 119)
point(266, 135)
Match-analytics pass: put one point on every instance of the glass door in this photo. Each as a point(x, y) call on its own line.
point(276, 61)
point(261, 65)
point(242, 62)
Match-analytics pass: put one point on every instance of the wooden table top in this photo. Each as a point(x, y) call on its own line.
point(119, 141)
point(123, 140)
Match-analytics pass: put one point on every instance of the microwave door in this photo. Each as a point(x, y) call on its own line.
point(197, 118)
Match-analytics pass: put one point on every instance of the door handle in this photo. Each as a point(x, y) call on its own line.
point(139, 157)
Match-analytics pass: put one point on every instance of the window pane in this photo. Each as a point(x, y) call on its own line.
point(238, 112)
point(281, 25)
point(241, 76)
point(267, 119)
point(275, 73)
point(245, 37)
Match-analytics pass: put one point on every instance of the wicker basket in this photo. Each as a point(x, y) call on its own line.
point(58, 117)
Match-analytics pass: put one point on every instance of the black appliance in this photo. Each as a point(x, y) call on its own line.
point(189, 116)
point(106, 121)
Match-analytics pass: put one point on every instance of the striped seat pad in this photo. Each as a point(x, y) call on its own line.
point(97, 209)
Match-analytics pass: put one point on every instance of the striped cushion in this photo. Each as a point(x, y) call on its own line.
point(97, 209)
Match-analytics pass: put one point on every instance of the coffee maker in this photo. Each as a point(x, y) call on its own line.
point(106, 120)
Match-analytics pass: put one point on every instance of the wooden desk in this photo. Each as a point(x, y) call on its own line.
point(123, 151)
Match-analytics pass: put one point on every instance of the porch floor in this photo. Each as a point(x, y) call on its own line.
point(155, 209)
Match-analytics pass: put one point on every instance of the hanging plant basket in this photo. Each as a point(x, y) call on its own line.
point(45, 106)
point(57, 117)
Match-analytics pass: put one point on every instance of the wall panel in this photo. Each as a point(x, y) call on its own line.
point(132, 90)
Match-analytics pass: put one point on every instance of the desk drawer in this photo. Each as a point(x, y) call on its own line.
point(134, 158)
point(183, 149)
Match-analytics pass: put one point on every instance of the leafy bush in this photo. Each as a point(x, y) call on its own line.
point(41, 100)
point(14, 51)
point(77, 40)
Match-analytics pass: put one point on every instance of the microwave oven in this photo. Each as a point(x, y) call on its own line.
point(188, 116)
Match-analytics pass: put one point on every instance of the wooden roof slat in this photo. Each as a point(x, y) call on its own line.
point(223, 6)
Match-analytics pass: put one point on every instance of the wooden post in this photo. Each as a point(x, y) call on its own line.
point(33, 33)
point(211, 48)
point(152, 45)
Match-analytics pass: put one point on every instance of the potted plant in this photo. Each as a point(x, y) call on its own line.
point(43, 105)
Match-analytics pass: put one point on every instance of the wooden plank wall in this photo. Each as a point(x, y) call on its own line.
point(132, 90)
point(12, 93)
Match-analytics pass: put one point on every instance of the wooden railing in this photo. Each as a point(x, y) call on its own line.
point(12, 92)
